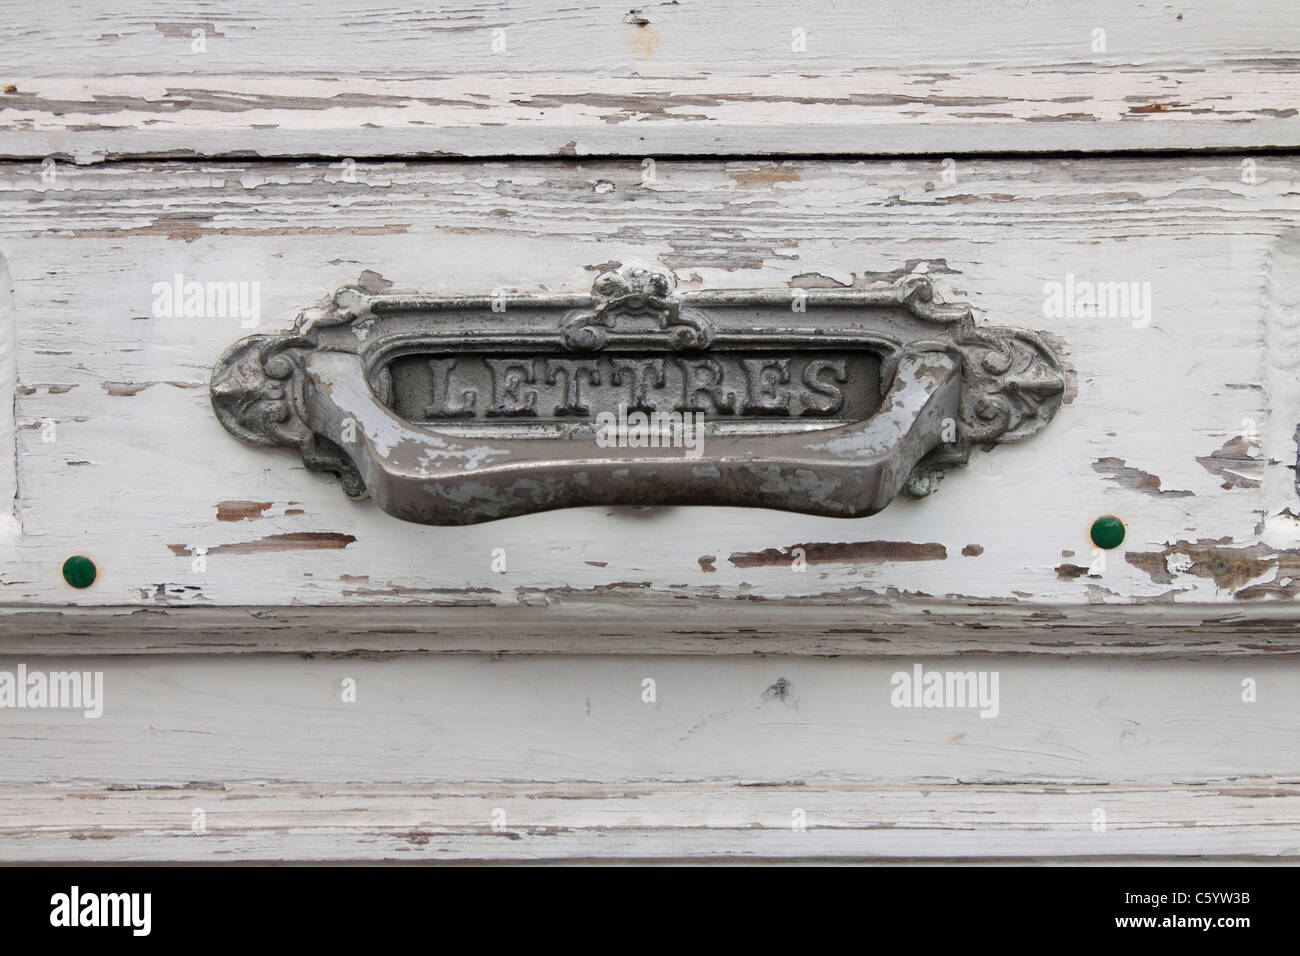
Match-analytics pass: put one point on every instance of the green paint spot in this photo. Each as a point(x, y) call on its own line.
point(79, 571)
point(1107, 532)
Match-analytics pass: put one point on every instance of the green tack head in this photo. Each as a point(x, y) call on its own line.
point(79, 571)
point(1107, 532)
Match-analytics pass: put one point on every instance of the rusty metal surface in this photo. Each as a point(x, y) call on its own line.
point(458, 409)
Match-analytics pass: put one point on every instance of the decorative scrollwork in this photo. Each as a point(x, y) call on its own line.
point(634, 292)
point(1012, 385)
point(257, 393)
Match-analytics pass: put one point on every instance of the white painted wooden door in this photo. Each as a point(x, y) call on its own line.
point(667, 683)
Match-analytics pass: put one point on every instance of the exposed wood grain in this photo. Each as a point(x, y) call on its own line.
point(491, 78)
point(863, 114)
point(630, 622)
point(1282, 362)
point(1213, 821)
point(140, 469)
point(599, 38)
point(8, 387)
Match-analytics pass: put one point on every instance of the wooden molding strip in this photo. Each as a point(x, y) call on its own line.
point(863, 113)
point(587, 624)
point(719, 820)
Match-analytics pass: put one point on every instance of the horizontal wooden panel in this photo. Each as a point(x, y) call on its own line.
point(1181, 420)
point(524, 78)
point(474, 757)
point(418, 718)
point(580, 764)
point(601, 38)
point(866, 113)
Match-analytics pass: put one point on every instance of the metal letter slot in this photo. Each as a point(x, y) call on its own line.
point(458, 409)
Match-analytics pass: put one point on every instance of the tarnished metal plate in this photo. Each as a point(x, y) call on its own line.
point(456, 409)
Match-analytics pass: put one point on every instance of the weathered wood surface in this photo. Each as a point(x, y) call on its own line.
point(1242, 821)
point(8, 386)
point(1158, 426)
point(107, 80)
point(627, 621)
point(601, 38)
point(580, 765)
point(1121, 687)
point(874, 114)
point(425, 718)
